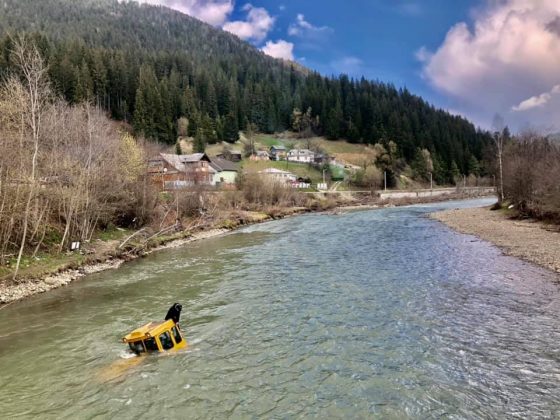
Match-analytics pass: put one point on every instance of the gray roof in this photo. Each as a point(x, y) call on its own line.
point(195, 157)
point(179, 161)
point(223, 165)
point(279, 147)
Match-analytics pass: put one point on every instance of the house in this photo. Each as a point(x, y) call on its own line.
point(260, 155)
point(231, 155)
point(277, 152)
point(180, 171)
point(224, 171)
point(279, 175)
point(321, 159)
point(301, 155)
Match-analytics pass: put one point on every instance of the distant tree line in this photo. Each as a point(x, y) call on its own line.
point(154, 68)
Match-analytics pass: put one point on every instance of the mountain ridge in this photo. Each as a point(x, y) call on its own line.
point(151, 66)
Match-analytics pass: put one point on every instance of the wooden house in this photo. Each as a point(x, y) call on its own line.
point(180, 171)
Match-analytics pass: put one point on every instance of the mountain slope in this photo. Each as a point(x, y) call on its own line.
point(151, 66)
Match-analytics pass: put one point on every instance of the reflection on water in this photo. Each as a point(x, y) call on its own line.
point(380, 313)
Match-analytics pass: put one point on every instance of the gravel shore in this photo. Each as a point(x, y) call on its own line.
point(529, 240)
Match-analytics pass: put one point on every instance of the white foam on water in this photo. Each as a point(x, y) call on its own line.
point(127, 355)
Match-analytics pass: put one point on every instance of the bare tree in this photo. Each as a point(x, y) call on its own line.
point(37, 96)
point(63, 169)
point(500, 136)
point(249, 145)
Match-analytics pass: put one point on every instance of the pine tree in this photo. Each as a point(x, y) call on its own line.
point(199, 145)
point(231, 129)
point(454, 172)
point(474, 166)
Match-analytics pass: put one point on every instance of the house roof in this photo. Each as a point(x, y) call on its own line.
point(278, 147)
point(301, 152)
point(220, 165)
point(262, 153)
point(195, 157)
point(179, 161)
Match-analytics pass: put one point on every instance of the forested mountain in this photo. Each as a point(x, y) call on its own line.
point(151, 66)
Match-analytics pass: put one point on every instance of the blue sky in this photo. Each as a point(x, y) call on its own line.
point(472, 57)
point(374, 38)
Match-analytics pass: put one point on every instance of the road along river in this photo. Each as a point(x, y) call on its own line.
point(381, 313)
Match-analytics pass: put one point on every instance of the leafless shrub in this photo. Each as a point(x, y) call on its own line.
point(531, 173)
point(64, 170)
point(260, 191)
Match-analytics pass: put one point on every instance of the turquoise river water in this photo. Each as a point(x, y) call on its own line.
point(371, 314)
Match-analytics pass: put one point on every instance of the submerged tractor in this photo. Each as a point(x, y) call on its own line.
point(158, 336)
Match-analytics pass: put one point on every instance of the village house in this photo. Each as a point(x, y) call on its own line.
point(277, 153)
point(279, 175)
point(180, 171)
point(301, 155)
point(260, 155)
point(231, 155)
point(224, 172)
point(321, 159)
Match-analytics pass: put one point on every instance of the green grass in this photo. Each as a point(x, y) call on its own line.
point(41, 265)
point(299, 169)
point(112, 233)
point(267, 140)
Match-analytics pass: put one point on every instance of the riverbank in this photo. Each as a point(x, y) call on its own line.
point(113, 253)
point(529, 240)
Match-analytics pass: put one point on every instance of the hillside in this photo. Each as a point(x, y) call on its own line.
point(153, 67)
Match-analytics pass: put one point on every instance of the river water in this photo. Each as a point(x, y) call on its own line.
point(372, 314)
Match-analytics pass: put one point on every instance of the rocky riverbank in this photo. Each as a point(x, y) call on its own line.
point(529, 240)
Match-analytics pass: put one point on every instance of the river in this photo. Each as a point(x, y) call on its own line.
point(370, 314)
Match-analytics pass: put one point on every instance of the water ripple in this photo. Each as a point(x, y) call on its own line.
point(371, 314)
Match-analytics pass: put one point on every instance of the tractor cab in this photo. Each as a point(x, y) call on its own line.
point(156, 337)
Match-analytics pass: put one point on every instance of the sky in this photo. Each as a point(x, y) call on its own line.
point(475, 58)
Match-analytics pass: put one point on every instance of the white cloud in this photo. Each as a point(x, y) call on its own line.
point(511, 52)
point(537, 101)
point(352, 66)
point(256, 27)
point(304, 29)
point(423, 55)
point(279, 49)
point(214, 12)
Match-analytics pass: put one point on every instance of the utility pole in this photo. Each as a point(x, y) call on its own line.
point(324, 175)
point(385, 180)
point(177, 195)
point(431, 182)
